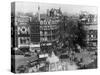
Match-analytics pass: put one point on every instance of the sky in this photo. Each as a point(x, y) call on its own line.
point(33, 7)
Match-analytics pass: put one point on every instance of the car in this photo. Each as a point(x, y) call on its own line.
point(42, 55)
point(64, 56)
point(27, 54)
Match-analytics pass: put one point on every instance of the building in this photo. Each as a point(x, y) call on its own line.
point(37, 31)
point(90, 24)
point(49, 28)
point(92, 37)
point(34, 36)
point(22, 29)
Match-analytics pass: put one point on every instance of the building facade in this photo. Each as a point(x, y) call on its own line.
point(90, 24)
point(41, 32)
point(22, 29)
point(34, 36)
point(49, 28)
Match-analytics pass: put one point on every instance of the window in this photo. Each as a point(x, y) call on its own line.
point(23, 40)
point(23, 30)
point(41, 33)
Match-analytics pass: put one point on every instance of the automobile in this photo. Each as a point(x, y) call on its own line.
point(27, 54)
point(22, 69)
point(19, 52)
point(63, 56)
point(38, 61)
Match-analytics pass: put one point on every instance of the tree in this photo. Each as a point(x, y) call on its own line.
point(72, 33)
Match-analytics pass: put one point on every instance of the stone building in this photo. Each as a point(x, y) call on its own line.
point(22, 29)
point(49, 28)
point(90, 24)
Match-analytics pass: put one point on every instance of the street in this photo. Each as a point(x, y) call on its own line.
point(21, 60)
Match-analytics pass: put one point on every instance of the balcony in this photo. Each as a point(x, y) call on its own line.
point(49, 39)
point(50, 27)
point(49, 33)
